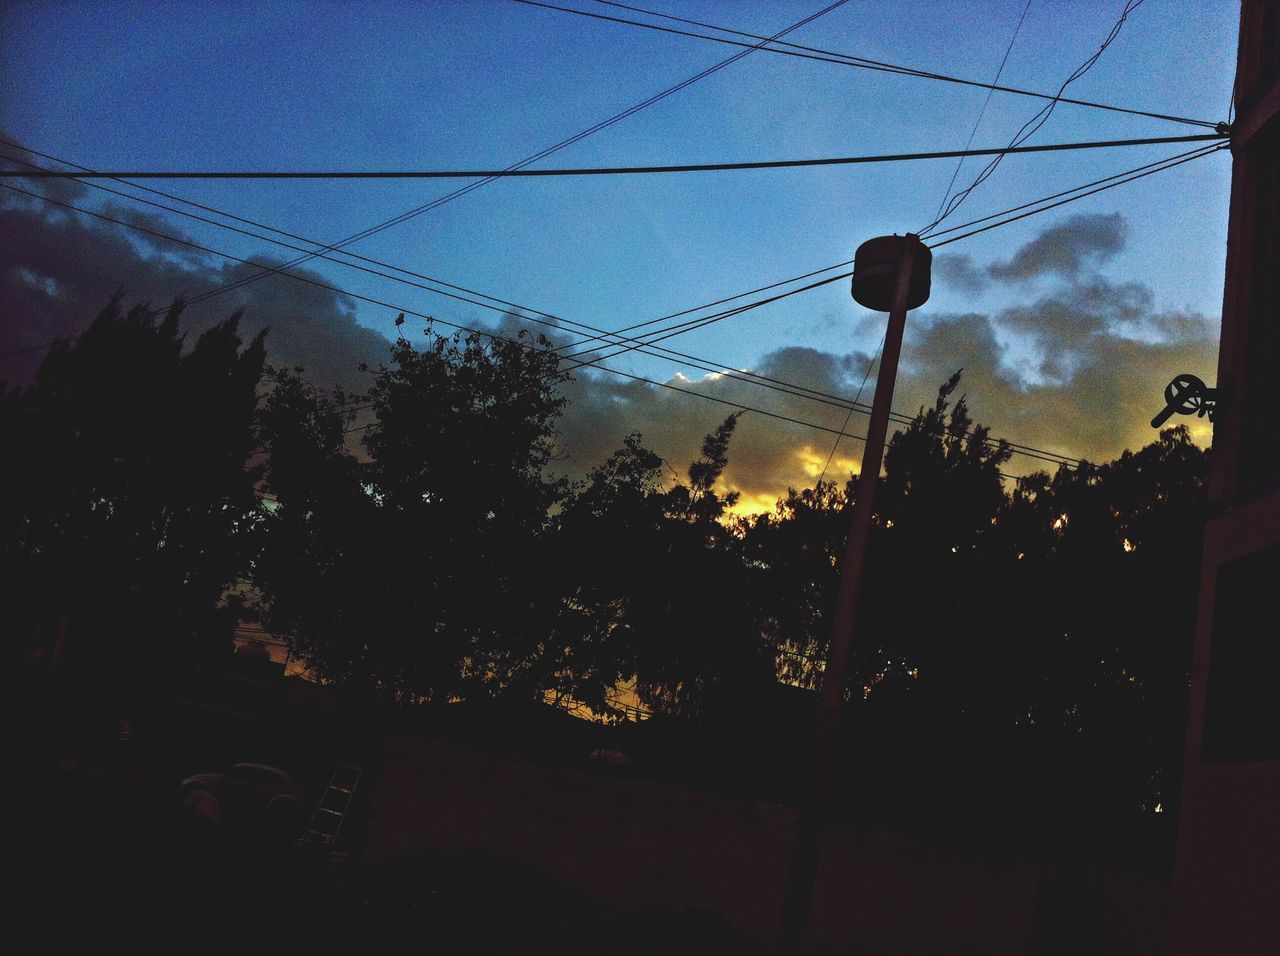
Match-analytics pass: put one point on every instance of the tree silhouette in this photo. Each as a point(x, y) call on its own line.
point(419, 572)
point(127, 498)
point(1022, 650)
point(698, 648)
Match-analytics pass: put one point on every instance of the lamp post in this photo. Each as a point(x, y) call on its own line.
point(890, 274)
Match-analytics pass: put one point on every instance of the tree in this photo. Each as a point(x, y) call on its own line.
point(127, 498)
point(419, 573)
point(1111, 598)
point(793, 560)
point(698, 648)
point(609, 537)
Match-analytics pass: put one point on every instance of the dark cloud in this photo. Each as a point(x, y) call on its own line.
point(1067, 248)
point(959, 273)
point(1068, 322)
point(1079, 371)
point(16, 157)
point(151, 230)
point(1112, 356)
point(58, 270)
point(768, 454)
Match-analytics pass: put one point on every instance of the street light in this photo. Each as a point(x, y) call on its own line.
point(890, 274)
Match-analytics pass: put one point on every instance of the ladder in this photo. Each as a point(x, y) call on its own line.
point(331, 811)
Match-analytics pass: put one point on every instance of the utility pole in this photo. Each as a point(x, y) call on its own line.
point(890, 273)
point(1227, 875)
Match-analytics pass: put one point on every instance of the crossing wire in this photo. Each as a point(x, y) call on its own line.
point(1033, 125)
point(407, 311)
point(1042, 205)
point(844, 59)
point(707, 320)
point(985, 103)
point(659, 352)
point(528, 160)
point(1112, 181)
point(998, 152)
point(1197, 154)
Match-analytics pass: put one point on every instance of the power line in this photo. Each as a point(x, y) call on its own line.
point(667, 333)
point(421, 315)
point(836, 444)
point(554, 320)
point(1198, 151)
point(1083, 191)
point(1033, 125)
point(528, 160)
point(985, 103)
point(599, 333)
point(1004, 222)
point(681, 327)
point(385, 304)
point(1120, 178)
point(997, 152)
point(844, 59)
point(786, 387)
point(645, 346)
point(674, 315)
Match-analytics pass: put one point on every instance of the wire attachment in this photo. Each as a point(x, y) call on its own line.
point(1187, 395)
point(1224, 128)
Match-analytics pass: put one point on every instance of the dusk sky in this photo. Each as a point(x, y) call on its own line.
point(1068, 324)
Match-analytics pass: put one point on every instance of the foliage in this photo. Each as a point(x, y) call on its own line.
point(697, 645)
point(418, 572)
point(1017, 645)
point(127, 496)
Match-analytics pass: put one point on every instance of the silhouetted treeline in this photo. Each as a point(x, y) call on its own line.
point(412, 544)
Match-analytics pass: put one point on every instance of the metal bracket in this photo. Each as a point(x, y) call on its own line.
point(1187, 395)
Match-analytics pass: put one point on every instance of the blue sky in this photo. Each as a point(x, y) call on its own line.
point(466, 84)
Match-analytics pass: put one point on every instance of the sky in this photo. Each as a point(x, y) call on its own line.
point(1068, 324)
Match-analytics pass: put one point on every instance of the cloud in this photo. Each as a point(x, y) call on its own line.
point(959, 273)
point(1066, 249)
point(767, 454)
point(150, 230)
point(1065, 323)
point(1078, 370)
point(58, 270)
point(17, 157)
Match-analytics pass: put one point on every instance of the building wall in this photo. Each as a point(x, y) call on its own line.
point(1227, 876)
point(634, 843)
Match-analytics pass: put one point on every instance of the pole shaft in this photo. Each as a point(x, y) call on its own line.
point(807, 849)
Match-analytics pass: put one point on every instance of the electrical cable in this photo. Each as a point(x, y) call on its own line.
point(421, 315)
point(985, 103)
point(845, 59)
point(694, 361)
point(1033, 125)
point(789, 388)
point(668, 333)
point(680, 328)
point(786, 387)
point(1129, 176)
point(385, 304)
point(556, 320)
point(532, 158)
point(997, 152)
point(865, 375)
point(1004, 222)
point(1199, 150)
point(698, 308)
